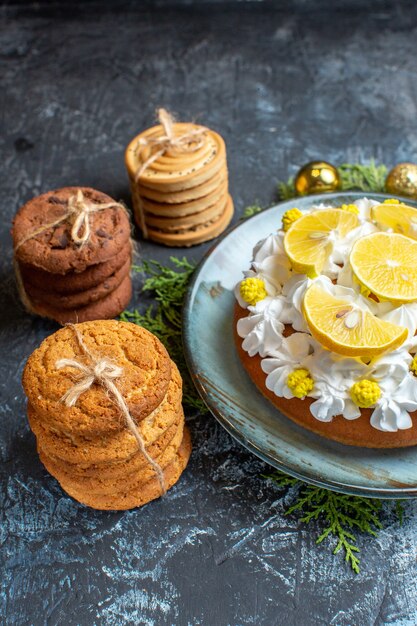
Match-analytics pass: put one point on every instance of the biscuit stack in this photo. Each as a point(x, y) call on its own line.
point(87, 445)
point(179, 183)
point(73, 271)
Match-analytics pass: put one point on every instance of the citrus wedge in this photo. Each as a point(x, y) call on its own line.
point(345, 328)
point(385, 264)
point(398, 217)
point(310, 239)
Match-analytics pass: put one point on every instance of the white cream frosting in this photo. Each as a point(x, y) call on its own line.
point(333, 375)
point(262, 329)
point(403, 315)
point(271, 264)
point(291, 355)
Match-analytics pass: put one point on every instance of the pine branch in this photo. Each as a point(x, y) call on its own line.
point(341, 515)
point(281, 479)
point(253, 209)
point(399, 511)
point(286, 190)
point(168, 285)
point(369, 177)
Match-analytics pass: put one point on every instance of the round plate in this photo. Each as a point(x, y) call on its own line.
point(235, 401)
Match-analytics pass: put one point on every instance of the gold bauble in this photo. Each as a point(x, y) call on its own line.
point(317, 177)
point(402, 180)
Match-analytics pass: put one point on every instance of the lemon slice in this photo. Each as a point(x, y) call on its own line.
point(398, 217)
point(309, 241)
point(385, 264)
point(345, 328)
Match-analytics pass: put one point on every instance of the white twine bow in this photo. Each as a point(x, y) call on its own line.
point(104, 372)
point(190, 141)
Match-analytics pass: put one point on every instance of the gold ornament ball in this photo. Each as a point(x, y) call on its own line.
point(317, 177)
point(402, 180)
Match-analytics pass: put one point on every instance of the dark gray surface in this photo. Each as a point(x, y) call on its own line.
point(282, 87)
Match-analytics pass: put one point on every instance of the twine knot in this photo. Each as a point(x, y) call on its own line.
point(190, 141)
point(104, 372)
point(101, 371)
point(81, 209)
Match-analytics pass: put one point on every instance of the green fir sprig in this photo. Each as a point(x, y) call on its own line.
point(168, 286)
point(340, 517)
point(370, 177)
point(253, 209)
point(286, 190)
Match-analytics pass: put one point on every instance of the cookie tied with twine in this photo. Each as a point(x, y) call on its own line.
point(149, 149)
point(175, 163)
point(102, 371)
point(67, 231)
point(77, 212)
point(105, 405)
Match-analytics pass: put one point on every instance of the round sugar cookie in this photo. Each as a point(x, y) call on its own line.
point(196, 235)
point(143, 384)
point(142, 495)
point(114, 483)
point(116, 469)
point(187, 195)
point(94, 452)
point(176, 170)
point(182, 209)
point(177, 224)
point(358, 432)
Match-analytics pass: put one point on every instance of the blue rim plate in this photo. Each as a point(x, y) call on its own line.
point(233, 398)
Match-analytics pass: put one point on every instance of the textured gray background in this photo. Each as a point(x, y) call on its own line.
point(283, 85)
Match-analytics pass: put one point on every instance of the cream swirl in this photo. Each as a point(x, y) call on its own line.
point(291, 355)
point(333, 376)
point(273, 244)
point(403, 315)
point(293, 292)
point(262, 329)
point(398, 391)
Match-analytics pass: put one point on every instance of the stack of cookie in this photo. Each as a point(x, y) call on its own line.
point(83, 436)
point(179, 183)
point(73, 255)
